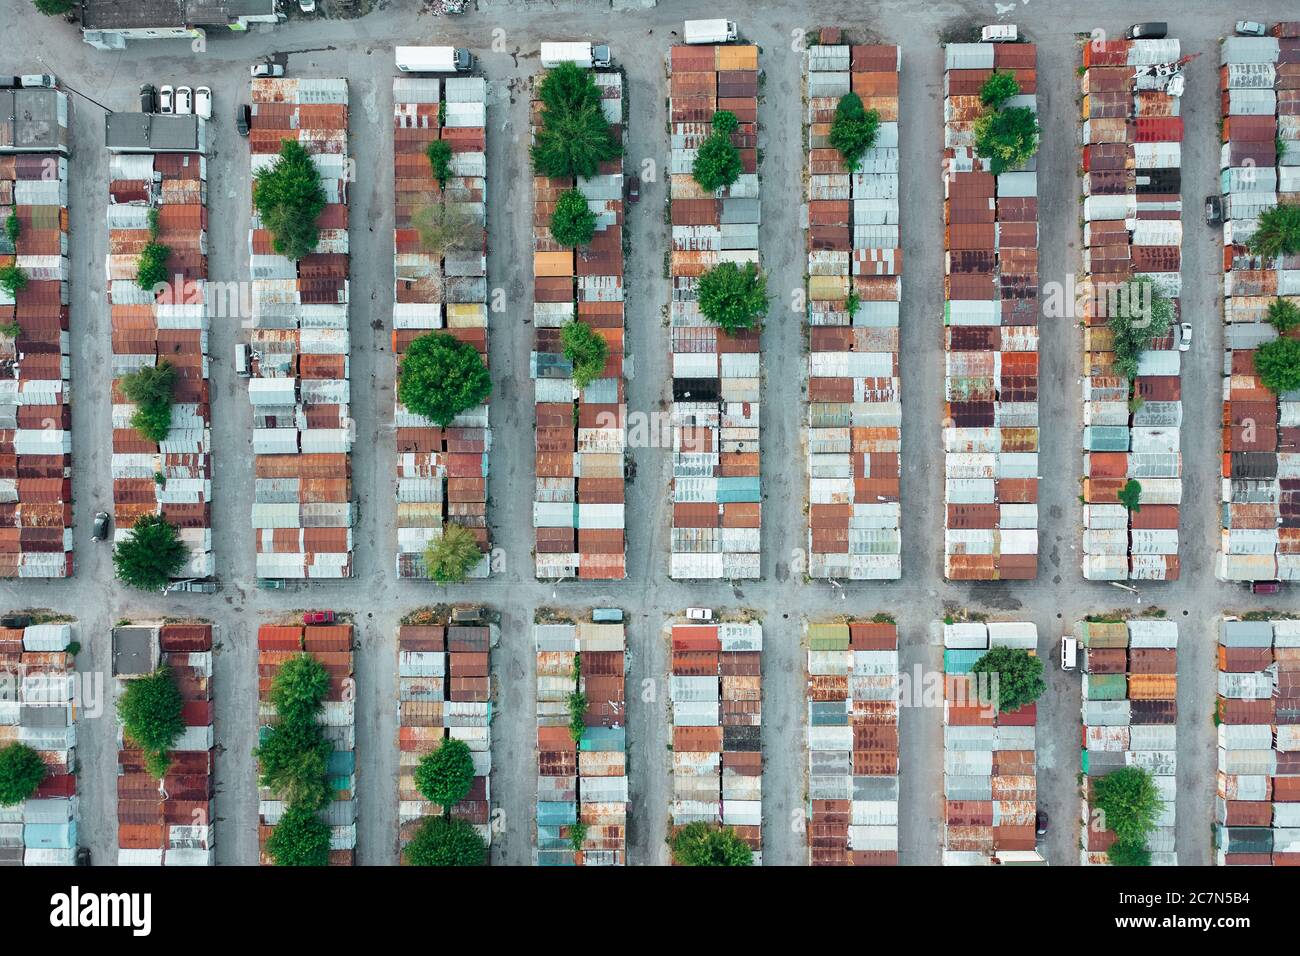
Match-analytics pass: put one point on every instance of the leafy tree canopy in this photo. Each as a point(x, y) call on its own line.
point(150, 555)
point(446, 227)
point(717, 161)
point(1277, 364)
point(451, 556)
point(21, 773)
point(151, 266)
point(1128, 854)
point(1130, 496)
point(1141, 314)
point(13, 279)
point(1019, 675)
point(439, 153)
point(301, 838)
point(586, 349)
point(699, 844)
point(1129, 803)
point(733, 297)
point(572, 223)
point(13, 227)
point(150, 711)
point(574, 137)
point(445, 776)
point(150, 388)
point(1007, 138)
point(289, 199)
point(293, 755)
point(1278, 232)
point(441, 841)
point(1283, 315)
point(440, 377)
point(853, 130)
point(998, 88)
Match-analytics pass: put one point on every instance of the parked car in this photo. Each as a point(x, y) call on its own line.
point(148, 98)
point(1000, 33)
point(318, 617)
point(468, 615)
point(16, 622)
point(1069, 653)
point(191, 586)
point(99, 530)
point(1154, 30)
point(203, 102)
point(1041, 822)
point(271, 584)
point(165, 99)
point(83, 856)
point(1213, 210)
point(242, 118)
point(38, 80)
point(184, 100)
point(633, 189)
point(1265, 587)
point(699, 614)
point(268, 68)
point(1185, 337)
point(1251, 28)
point(307, 6)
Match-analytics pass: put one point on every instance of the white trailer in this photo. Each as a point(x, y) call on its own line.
point(583, 54)
point(433, 59)
point(710, 31)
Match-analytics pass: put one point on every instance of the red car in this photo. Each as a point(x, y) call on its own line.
point(318, 617)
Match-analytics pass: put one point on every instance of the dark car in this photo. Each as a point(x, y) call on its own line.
point(318, 617)
point(1155, 30)
point(242, 118)
point(1213, 211)
point(633, 189)
point(83, 856)
point(148, 98)
point(99, 531)
point(1040, 822)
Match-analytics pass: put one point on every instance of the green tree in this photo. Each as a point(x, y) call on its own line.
point(1007, 138)
point(293, 755)
point(150, 711)
point(13, 279)
point(151, 266)
point(446, 227)
point(853, 130)
point(1283, 315)
point(1128, 854)
point(572, 223)
point(300, 687)
point(150, 555)
point(1278, 232)
point(441, 841)
point(1277, 364)
point(577, 835)
point(717, 161)
point(53, 8)
point(1129, 803)
point(289, 199)
point(21, 773)
point(1130, 496)
point(13, 228)
point(577, 714)
point(450, 557)
point(301, 838)
point(700, 844)
point(998, 88)
point(586, 350)
point(445, 776)
point(1141, 313)
point(732, 297)
point(574, 137)
point(440, 377)
point(151, 387)
point(439, 153)
point(1019, 675)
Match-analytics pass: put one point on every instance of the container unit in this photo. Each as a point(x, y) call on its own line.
point(580, 436)
point(716, 690)
point(855, 258)
point(168, 822)
point(162, 197)
point(39, 703)
point(717, 500)
point(1130, 716)
point(332, 646)
point(581, 781)
point(1132, 137)
point(35, 417)
point(1257, 807)
point(991, 306)
point(853, 699)
point(444, 691)
point(990, 786)
point(303, 510)
point(1260, 168)
point(442, 472)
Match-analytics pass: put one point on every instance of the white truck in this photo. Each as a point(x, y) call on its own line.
point(434, 59)
point(710, 31)
point(583, 54)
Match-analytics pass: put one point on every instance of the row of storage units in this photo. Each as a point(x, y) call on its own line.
point(38, 709)
point(332, 646)
point(444, 692)
point(717, 706)
point(582, 790)
point(991, 305)
point(168, 821)
point(1260, 168)
point(853, 700)
point(441, 472)
point(162, 197)
point(35, 417)
point(990, 784)
point(1132, 156)
point(303, 509)
point(1257, 806)
point(1130, 716)
point(717, 501)
point(578, 504)
point(855, 261)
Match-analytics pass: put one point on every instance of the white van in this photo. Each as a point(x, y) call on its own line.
point(1000, 33)
point(433, 59)
point(710, 31)
point(583, 54)
point(1069, 653)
